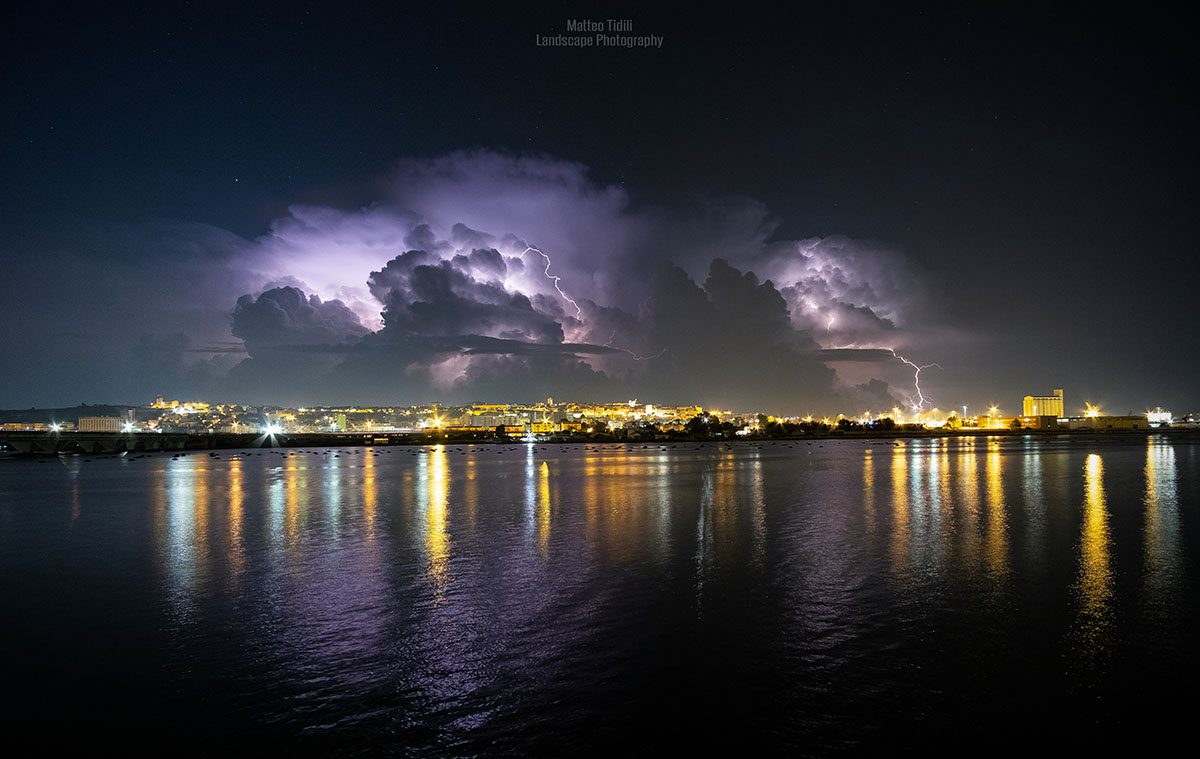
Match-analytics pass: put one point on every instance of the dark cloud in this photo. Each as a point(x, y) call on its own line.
point(284, 316)
point(440, 299)
point(855, 354)
point(875, 395)
point(279, 328)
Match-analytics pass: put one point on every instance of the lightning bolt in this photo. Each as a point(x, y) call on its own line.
point(633, 355)
point(556, 279)
point(916, 377)
point(810, 307)
point(579, 311)
point(636, 357)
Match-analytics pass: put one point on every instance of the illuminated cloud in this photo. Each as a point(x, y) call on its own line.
point(484, 275)
point(480, 271)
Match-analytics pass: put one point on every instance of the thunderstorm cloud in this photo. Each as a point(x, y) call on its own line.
point(487, 276)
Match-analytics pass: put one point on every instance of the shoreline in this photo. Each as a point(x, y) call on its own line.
point(41, 444)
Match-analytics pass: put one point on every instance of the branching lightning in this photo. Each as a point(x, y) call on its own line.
point(920, 404)
point(636, 357)
point(633, 355)
point(556, 279)
point(579, 311)
point(810, 307)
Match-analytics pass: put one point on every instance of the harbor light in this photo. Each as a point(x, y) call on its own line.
point(1159, 418)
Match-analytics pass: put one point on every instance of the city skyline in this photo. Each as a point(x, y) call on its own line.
point(564, 416)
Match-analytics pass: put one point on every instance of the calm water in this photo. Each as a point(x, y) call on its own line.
point(809, 598)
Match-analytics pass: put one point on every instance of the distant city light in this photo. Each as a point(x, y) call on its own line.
point(645, 421)
point(1158, 417)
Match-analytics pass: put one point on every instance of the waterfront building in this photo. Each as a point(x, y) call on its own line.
point(1043, 405)
point(1100, 423)
point(99, 424)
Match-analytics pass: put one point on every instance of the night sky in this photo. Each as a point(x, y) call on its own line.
point(333, 203)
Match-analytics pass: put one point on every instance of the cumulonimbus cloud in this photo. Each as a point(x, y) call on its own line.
point(479, 273)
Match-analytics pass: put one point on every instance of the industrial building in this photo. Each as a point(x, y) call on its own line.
point(99, 424)
point(1101, 423)
point(1043, 405)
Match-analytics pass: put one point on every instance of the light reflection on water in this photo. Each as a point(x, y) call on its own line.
point(1163, 536)
point(1093, 630)
point(997, 528)
point(432, 492)
point(237, 497)
point(968, 492)
point(505, 598)
point(901, 539)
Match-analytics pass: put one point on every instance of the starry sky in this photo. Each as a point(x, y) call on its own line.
point(342, 203)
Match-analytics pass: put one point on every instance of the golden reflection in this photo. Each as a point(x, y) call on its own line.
point(725, 513)
point(437, 542)
point(1095, 572)
point(943, 498)
point(291, 509)
point(201, 509)
point(758, 509)
point(900, 532)
point(370, 494)
point(612, 525)
point(1162, 536)
point(543, 510)
point(869, 491)
point(996, 547)
point(237, 496)
point(591, 498)
point(968, 499)
point(471, 490)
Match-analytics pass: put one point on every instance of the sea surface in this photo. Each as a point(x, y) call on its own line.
point(801, 598)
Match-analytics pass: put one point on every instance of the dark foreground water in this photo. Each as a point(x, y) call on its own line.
point(801, 598)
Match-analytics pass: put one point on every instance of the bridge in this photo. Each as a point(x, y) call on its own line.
point(51, 443)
